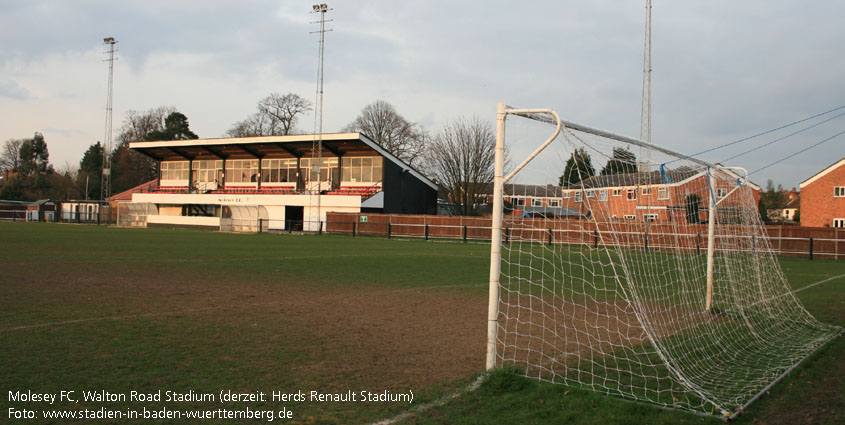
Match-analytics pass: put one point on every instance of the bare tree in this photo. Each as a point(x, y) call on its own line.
point(461, 158)
point(10, 158)
point(277, 115)
point(130, 168)
point(138, 124)
point(254, 125)
point(392, 131)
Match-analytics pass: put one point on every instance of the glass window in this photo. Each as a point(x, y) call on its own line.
point(241, 170)
point(839, 191)
point(617, 192)
point(650, 217)
point(537, 203)
point(721, 193)
point(565, 195)
point(174, 170)
point(577, 196)
point(646, 191)
point(362, 169)
point(603, 195)
point(207, 170)
point(632, 194)
point(554, 203)
point(663, 193)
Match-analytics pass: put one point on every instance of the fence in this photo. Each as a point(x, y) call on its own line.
point(811, 242)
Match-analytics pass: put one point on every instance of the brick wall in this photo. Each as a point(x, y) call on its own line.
point(818, 205)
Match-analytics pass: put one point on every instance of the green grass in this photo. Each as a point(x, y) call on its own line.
point(85, 307)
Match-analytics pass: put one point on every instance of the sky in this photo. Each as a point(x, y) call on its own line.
point(722, 70)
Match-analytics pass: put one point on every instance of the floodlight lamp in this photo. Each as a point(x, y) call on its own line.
point(316, 7)
point(324, 7)
point(108, 40)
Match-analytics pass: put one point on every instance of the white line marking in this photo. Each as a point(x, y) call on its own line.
point(436, 403)
point(817, 283)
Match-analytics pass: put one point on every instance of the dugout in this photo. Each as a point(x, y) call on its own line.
point(277, 182)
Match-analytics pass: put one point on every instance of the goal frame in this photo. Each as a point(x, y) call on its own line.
point(551, 117)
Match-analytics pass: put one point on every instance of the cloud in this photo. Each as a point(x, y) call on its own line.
point(13, 90)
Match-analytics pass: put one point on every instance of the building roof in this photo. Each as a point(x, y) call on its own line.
point(126, 195)
point(291, 146)
point(821, 173)
point(550, 212)
point(793, 203)
point(638, 179)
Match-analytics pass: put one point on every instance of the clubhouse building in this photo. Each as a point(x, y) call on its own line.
point(275, 182)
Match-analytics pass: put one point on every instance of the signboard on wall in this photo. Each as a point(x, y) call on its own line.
point(363, 219)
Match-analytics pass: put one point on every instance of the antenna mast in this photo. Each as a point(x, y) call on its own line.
point(317, 145)
point(105, 182)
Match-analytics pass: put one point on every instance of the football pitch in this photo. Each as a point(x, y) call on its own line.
point(185, 314)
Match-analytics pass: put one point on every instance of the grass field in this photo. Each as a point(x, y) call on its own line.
point(97, 308)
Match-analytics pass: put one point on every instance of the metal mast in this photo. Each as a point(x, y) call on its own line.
point(645, 107)
point(317, 145)
point(105, 182)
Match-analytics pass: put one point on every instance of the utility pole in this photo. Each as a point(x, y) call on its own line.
point(105, 182)
point(317, 145)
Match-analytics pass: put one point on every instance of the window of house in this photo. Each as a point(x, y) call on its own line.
point(630, 217)
point(241, 170)
point(519, 202)
point(839, 222)
point(174, 170)
point(632, 194)
point(646, 191)
point(578, 196)
point(565, 195)
point(721, 192)
point(649, 217)
point(603, 195)
point(537, 203)
point(554, 202)
point(663, 193)
point(278, 170)
point(839, 191)
point(617, 192)
point(591, 193)
point(361, 169)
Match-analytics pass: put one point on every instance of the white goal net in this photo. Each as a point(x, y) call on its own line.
point(631, 270)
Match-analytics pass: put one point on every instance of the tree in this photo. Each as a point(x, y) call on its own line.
point(380, 121)
point(12, 190)
point(91, 172)
point(10, 158)
point(462, 158)
point(277, 115)
point(772, 200)
point(130, 168)
point(579, 167)
point(176, 127)
point(622, 162)
point(34, 156)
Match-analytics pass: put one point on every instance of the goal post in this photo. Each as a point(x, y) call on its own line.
point(645, 278)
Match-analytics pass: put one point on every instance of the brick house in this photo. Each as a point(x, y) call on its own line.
point(823, 197)
point(643, 196)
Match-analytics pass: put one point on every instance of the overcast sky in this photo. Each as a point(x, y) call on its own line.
point(723, 70)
